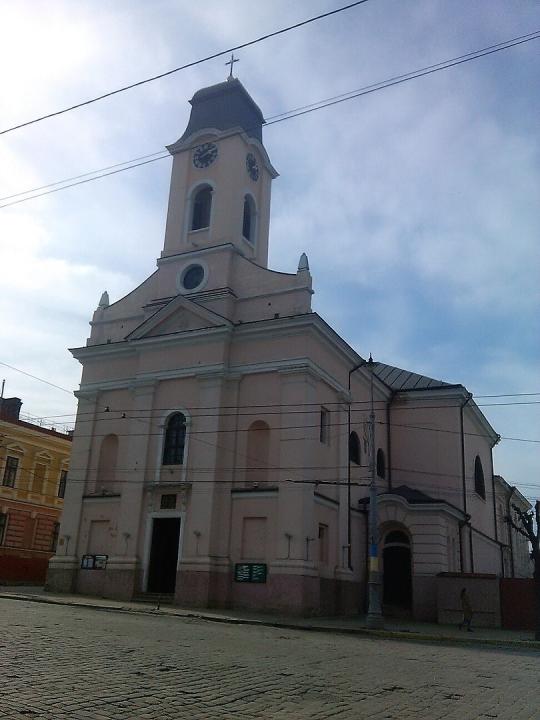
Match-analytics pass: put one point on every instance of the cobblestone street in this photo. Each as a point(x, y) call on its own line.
point(82, 664)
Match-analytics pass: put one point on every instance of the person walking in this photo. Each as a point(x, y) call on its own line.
point(466, 608)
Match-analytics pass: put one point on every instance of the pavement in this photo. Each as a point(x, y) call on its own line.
point(397, 629)
point(108, 661)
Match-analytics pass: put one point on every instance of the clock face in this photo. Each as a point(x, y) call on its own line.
point(252, 167)
point(204, 155)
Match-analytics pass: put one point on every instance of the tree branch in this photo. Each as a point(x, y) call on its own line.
point(517, 528)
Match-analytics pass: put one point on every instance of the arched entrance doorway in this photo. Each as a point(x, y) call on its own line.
point(397, 585)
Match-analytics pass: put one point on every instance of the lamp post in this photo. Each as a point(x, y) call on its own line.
point(374, 616)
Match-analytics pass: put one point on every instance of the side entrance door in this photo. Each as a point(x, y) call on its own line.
point(163, 555)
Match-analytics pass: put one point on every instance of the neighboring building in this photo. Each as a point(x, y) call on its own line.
point(517, 551)
point(211, 449)
point(33, 471)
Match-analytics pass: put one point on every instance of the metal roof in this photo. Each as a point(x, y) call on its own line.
point(225, 106)
point(400, 380)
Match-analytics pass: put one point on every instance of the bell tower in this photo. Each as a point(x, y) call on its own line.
point(221, 176)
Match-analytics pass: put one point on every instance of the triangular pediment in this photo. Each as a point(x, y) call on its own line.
point(179, 315)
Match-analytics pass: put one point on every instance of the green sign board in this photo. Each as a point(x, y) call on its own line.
point(250, 572)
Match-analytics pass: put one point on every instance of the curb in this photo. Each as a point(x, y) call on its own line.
point(406, 635)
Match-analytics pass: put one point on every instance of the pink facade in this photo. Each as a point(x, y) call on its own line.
point(211, 452)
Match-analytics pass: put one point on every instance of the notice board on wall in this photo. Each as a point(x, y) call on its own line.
point(250, 572)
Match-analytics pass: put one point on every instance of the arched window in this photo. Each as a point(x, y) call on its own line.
point(354, 448)
point(479, 484)
point(258, 449)
point(248, 223)
point(202, 205)
point(108, 457)
point(175, 439)
point(381, 464)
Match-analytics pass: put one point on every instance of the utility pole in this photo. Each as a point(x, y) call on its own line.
point(374, 616)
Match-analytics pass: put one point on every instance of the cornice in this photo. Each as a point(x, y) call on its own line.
point(177, 257)
point(421, 507)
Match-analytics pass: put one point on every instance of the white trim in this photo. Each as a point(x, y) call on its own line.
point(253, 243)
point(192, 191)
point(162, 426)
point(421, 507)
point(196, 251)
point(148, 540)
point(246, 494)
point(183, 270)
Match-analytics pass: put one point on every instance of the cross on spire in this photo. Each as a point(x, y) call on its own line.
point(231, 63)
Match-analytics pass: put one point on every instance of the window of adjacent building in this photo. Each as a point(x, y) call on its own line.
point(54, 538)
point(38, 478)
point(324, 430)
point(168, 502)
point(202, 206)
point(354, 448)
point(248, 223)
point(62, 483)
point(323, 544)
point(10, 471)
point(381, 463)
point(175, 439)
point(3, 526)
point(479, 484)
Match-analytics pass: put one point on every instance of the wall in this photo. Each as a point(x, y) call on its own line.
point(518, 603)
point(483, 591)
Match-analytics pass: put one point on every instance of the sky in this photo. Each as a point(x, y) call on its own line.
point(418, 205)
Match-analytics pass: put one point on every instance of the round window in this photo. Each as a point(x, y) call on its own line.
point(193, 277)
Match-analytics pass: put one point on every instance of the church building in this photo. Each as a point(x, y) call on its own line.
point(219, 455)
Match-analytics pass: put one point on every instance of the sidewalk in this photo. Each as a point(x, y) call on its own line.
point(399, 629)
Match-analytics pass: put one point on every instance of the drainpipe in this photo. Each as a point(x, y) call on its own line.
point(463, 479)
point(460, 535)
point(349, 534)
point(510, 537)
point(389, 440)
point(366, 537)
point(495, 510)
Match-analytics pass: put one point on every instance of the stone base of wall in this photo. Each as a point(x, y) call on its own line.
point(112, 584)
point(303, 595)
point(61, 580)
point(285, 593)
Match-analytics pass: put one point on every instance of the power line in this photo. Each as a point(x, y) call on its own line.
point(282, 407)
point(35, 377)
point(235, 408)
point(186, 66)
point(276, 428)
point(86, 174)
point(288, 115)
